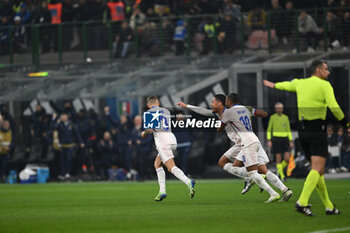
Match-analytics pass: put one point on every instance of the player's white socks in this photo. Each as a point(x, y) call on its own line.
point(161, 179)
point(275, 181)
point(236, 171)
point(180, 175)
point(257, 178)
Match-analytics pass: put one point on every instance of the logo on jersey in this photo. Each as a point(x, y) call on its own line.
point(155, 120)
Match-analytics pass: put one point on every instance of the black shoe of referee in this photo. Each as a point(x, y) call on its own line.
point(304, 209)
point(334, 211)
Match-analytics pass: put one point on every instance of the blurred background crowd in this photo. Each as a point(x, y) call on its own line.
point(156, 22)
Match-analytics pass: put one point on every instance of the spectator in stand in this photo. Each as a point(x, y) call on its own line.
point(233, 10)
point(6, 143)
point(4, 35)
point(55, 8)
point(137, 17)
point(288, 22)
point(309, 30)
point(116, 10)
point(180, 37)
point(18, 35)
point(345, 29)
point(333, 159)
point(228, 30)
point(143, 147)
point(209, 35)
point(82, 15)
point(149, 39)
point(345, 151)
point(106, 150)
point(168, 33)
point(331, 4)
point(98, 33)
point(124, 137)
point(123, 40)
point(68, 14)
point(151, 15)
point(24, 13)
point(6, 9)
point(257, 22)
point(333, 30)
point(68, 137)
point(161, 10)
point(276, 19)
point(43, 16)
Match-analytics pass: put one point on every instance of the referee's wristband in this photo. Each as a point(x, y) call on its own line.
point(344, 122)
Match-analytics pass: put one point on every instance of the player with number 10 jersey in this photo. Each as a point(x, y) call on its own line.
point(237, 120)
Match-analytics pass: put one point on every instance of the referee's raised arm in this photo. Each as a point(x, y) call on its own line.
point(314, 95)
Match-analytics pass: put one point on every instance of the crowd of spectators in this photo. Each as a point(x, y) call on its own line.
point(86, 144)
point(81, 144)
point(143, 19)
point(339, 149)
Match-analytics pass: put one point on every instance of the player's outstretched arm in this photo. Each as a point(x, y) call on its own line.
point(196, 109)
point(269, 84)
point(182, 104)
point(260, 113)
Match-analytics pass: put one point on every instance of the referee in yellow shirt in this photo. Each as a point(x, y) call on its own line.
point(314, 95)
point(280, 138)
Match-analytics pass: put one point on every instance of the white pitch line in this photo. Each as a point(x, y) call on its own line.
point(332, 230)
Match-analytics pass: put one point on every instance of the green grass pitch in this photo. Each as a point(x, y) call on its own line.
point(129, 207)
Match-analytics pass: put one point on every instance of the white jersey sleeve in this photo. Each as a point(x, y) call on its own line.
point(200, 110)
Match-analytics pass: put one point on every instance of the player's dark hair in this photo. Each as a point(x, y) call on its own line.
point(221, 98)
point(316, 64)
point(234, 97)
point(152, 99)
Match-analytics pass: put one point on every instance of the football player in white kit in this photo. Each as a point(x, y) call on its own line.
point(166, 144)
point(237, 118)
point(217, 109)
point(235, 154)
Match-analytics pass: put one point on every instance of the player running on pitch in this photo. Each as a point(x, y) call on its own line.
point(166, 143)
point(229, 157)
point(235, 154)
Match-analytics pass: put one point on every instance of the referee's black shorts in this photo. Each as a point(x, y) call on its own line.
point(313, 138)
point(280, 145)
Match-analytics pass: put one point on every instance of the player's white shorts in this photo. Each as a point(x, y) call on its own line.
point(253, 154)
point(166, 152)
point(232, 153)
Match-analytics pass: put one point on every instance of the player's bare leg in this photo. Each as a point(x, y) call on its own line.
point(158, 165)
point(178, 173)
